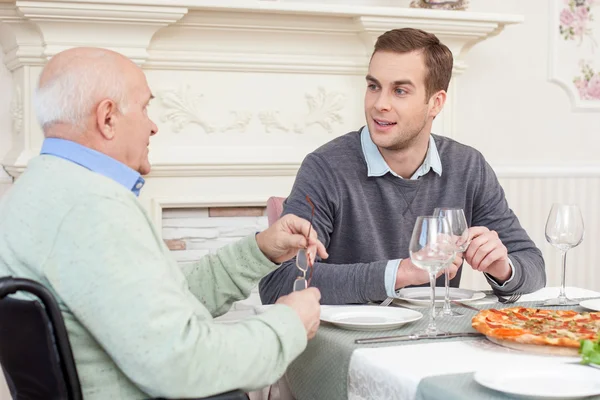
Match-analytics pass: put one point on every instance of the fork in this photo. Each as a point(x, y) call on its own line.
point(386, 302)
point(512, 299)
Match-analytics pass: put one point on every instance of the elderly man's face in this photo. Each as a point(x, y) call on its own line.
point(135, 127)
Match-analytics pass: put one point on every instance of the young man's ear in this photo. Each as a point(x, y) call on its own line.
point(106, 113)
point(436, 103)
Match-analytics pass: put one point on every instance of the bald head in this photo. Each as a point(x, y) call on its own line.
point(75, 81)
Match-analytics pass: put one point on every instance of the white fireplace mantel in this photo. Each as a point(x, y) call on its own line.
point(244, 89)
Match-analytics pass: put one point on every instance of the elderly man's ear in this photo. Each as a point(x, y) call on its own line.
point(106, 114)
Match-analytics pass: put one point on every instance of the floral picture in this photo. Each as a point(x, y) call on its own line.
point(588, 84)
point(575, 51)
point(575, 20)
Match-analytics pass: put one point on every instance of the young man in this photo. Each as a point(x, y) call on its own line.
point(369, 186)
point(139, 326)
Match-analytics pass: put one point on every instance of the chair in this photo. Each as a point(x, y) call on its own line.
point(35, 352)
point(274, 209)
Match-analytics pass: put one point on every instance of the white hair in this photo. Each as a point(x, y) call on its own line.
point(71, 95)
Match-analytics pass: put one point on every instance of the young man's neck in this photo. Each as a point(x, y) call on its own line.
point(405, 162)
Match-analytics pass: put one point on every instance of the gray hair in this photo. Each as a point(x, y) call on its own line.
point(72, 93)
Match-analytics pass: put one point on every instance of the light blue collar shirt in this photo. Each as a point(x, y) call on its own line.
point(376, 166)
point(95, 162)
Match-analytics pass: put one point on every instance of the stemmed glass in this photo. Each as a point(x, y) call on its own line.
point(564, 230)
point(460, 236)
point(303, 262)
point(431, 249)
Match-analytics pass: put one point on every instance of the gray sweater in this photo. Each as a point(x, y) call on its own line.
point(366, 221)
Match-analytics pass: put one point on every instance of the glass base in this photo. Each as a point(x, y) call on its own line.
point(444, 312)
point(560, 301)
point(430, 331)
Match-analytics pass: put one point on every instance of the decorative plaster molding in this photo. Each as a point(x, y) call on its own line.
point(460, 33)
point(220, 170)
point(181, 109)
point(290, 169)
point(280, 37)
point(16, 108)
point(323, 110)
point(34, 31)
point(194, 60)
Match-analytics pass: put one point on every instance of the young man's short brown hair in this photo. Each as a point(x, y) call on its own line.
point(438, 57)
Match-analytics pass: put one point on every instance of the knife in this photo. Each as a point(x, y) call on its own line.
point(403, 338)
point(458, 303)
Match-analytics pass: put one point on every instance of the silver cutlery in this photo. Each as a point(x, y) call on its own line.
point(386, 302)
point(512, 299)
point(403, 338)
point(461, 304)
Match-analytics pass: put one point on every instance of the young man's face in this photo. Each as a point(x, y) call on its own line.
point(396, 107)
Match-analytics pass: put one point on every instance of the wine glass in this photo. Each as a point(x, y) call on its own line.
point(460, 235)
point(564, 230)
point(431, 249)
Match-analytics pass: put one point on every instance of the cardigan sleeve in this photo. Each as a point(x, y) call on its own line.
point(108, 269)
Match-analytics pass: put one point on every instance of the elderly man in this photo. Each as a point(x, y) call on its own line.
point(137, 324)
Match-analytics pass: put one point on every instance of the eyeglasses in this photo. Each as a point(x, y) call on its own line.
point(303, 262)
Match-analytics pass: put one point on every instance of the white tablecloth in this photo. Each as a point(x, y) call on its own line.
point(389, 373)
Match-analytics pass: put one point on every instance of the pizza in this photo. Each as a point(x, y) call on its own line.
point(534, 326)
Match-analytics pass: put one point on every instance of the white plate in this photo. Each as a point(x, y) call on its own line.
point(368, 318)
point(556, 381)
point(422, 295)
point(592, 304)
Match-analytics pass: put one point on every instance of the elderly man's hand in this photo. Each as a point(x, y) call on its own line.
point(285, 237)
point(306, 304)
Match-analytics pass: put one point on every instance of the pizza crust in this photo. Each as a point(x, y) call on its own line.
point(535, 348)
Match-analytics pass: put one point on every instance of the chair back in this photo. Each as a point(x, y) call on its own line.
point(35, 352)
point(274, 209)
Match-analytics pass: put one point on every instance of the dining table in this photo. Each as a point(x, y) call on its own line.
point(334, 366)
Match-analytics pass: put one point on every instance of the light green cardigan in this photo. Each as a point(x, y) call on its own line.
point(139, 326)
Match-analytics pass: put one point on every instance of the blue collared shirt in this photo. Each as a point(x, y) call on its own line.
point(376, 166)
point(95, 162)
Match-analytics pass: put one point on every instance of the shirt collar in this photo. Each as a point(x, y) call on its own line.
point(376, 165)
point(95, 162)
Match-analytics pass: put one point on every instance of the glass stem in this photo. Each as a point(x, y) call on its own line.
point(562, 297)
point(447, 307)
point(432, 327)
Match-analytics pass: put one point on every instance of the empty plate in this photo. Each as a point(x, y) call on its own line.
point(368, 318)
point(556, 381)
point(592, 304)
point(421, 295)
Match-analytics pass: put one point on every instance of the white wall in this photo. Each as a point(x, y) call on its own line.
point(509, 109)
point(542, 150)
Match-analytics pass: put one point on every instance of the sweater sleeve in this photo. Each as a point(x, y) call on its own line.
point(338, 283)
point(228, 275)
point(111, 273)
point(490, 209)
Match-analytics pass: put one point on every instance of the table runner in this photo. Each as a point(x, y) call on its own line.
point(460, 387)
point(321, 371)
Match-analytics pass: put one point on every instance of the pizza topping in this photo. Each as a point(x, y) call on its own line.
point(537, 326)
